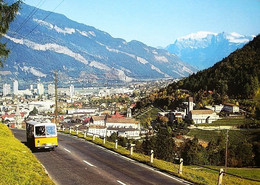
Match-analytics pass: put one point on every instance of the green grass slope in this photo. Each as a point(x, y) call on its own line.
point(17, 163)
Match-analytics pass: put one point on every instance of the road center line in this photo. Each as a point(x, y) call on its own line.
point(120, 182)
point(88, 163)
point(67, 150)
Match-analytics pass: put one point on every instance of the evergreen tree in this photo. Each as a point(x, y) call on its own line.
point(34, 111)
point(194, 153)
point(165, 146)
point(8, 13)
point(148, 144)
point(216, 151)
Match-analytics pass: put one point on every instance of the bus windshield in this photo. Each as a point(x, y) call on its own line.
point(51, 130)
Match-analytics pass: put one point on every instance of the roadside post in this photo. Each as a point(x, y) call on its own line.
point(85, 134)
point(93, 138)
point(181, 165)
point(151, 157)
point(131, 148)
point(220, 176)
point(116, 143)
point(70, 130)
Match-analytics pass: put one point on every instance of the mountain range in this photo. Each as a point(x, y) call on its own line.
point(43, 42)
point(236, 76)
point(204, 49)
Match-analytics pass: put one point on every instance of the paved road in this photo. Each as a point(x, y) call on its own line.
point(76, 161)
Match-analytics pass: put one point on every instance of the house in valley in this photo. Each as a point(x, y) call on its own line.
point(203, 116)
point(231, 108)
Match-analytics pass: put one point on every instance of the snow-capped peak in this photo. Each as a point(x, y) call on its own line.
point(204, 49)
point(198, 35)
point(237, 38)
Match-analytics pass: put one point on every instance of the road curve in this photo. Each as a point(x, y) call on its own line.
point(77, 161)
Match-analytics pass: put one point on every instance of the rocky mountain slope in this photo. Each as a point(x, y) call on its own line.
point(80, 53)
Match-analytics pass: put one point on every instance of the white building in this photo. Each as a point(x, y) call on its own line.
point(15, 87)
point(129, 113)
point(98, 120)
point(190, 104)
point(42, 106)
point(231, 108)
point(51, 89)
point(215, 108)
point(97, 130)
point(40, 89)
point(125, 127)
point(6, 89)
point(72, 91)
point(25, 92)
point(130, 133)
point(18, 118)
point(203, 116)
point(90, 111)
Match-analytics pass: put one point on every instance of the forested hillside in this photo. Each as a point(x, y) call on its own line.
point(235, 79)
point(236, 75)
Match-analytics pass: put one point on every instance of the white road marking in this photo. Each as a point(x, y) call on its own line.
point(88, 163)
point(120, 182)
point(67, 150)
point(137, 163)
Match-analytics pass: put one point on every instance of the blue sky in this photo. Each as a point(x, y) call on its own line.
point(159, 23)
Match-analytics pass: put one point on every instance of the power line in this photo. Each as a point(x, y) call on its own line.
point(45, 18)
point(42, 20)
point(30, 16)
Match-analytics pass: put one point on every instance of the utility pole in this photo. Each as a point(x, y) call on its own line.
point(226, 157)
point(56, 98)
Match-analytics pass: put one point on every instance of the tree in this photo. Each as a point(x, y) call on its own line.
point(148, 144)
point(194, 153)
point(113, 137)
point(8, 13)
point(241, 154)
point(216, 151)
point(165, 145)
point(34, 111)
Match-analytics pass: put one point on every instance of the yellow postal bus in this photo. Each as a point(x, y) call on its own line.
point(41, 135)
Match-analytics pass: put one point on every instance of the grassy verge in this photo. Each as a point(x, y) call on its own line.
point(227, 121)
point(194, 174)
point(235, 136)
point(17, 163)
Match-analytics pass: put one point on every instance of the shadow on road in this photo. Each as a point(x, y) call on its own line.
point(35, 150)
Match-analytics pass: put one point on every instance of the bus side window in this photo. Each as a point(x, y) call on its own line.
point(40, 131)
